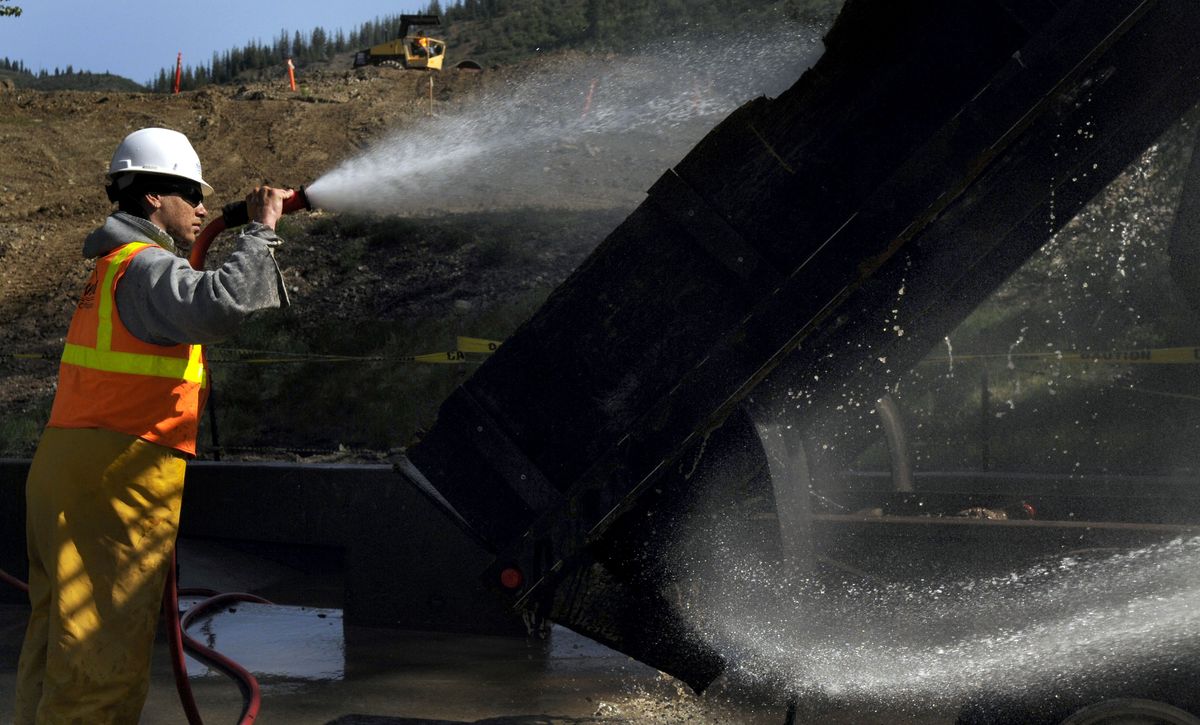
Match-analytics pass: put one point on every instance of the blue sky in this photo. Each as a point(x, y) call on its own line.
point(137, 38)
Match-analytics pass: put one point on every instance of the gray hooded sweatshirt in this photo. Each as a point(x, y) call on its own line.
point(163, 301)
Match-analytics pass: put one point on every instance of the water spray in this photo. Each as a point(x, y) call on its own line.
point(235, 215)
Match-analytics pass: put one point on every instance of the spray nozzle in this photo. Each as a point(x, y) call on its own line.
point(237, 214)
point(234, 215)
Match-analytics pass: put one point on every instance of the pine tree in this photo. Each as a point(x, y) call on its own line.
point(283, 48)
point(318, 44)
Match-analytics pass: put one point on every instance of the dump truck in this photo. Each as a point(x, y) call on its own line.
point(413, 48)
point(738, 308)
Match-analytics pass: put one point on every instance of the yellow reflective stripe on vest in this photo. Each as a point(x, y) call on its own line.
point(176, 368)
point(104, 308)
point(103, 358)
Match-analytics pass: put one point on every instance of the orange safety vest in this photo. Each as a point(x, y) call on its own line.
point(110, 379)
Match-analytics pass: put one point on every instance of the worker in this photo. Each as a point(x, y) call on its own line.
point(421, 44)
point(105, 485)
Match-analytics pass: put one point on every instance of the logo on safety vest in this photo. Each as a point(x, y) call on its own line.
point(88, 299)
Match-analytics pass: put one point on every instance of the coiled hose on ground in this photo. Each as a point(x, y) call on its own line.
point(179, 641)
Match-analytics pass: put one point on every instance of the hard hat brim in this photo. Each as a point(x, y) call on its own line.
point(125, 177)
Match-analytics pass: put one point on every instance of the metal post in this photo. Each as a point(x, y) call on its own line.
point(214, 433)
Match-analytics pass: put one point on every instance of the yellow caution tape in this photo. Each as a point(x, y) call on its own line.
point(1165, 355)
point(453, 357)
point(477, 344)
point(1151, 356)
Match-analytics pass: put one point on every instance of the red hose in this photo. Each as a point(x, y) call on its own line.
point(178, 640)
point(251, 694)
point(204, 241)
point(175, 645)
point(14, 582)
point(234, 215)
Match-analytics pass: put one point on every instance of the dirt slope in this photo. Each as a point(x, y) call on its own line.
point(57, 146)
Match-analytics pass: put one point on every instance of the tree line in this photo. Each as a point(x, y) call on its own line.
point(18, 66)
point(501, 31)
point(301, 48)
point(61, 79)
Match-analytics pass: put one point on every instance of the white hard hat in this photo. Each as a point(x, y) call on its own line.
point(156, 151)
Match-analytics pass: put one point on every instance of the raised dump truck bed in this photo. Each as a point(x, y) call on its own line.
point(924, 151)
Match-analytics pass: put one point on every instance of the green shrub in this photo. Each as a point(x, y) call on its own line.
point(20, 430)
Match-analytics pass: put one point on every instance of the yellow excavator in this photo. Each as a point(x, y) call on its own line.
point(413, 48)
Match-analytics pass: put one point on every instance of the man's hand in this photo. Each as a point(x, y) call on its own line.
point(265, 204)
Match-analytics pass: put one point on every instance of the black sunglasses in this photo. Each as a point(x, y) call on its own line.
point(191, 193)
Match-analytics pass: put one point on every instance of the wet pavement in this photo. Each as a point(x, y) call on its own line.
point(315, 668)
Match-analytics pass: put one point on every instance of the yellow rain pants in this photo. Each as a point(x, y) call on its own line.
point(103, 511)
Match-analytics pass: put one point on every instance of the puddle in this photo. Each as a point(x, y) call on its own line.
point(273, 641)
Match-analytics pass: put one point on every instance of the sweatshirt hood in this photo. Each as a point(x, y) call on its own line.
point(122, 228)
